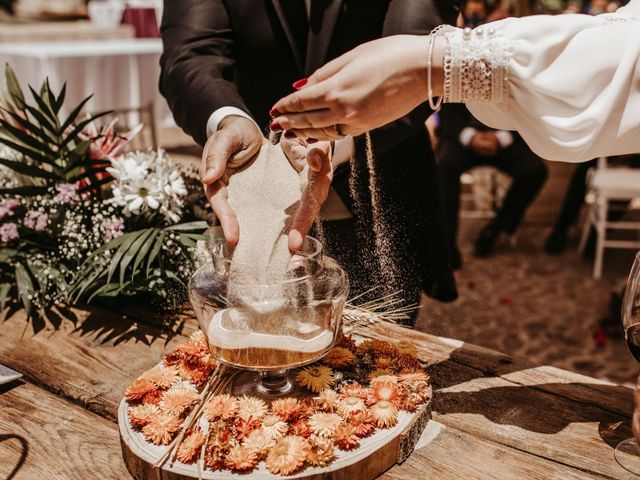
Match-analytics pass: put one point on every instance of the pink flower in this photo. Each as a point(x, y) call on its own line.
point(8, 206)
point(8, 232)
point(112, 228)
point(67, 193)
point(107, 143)
point(36, 220)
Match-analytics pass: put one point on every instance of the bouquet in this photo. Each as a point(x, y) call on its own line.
point(81, 218)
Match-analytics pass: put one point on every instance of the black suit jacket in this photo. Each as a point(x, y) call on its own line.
point(245, 53)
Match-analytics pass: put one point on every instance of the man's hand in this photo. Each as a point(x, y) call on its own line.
point(313, 163)
point(236, 142)
point(485, 144)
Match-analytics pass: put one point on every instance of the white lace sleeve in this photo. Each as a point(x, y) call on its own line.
point(476, 65)
point(569, 84)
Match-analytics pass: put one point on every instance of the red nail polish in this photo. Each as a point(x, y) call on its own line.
point(274, 113)
point(312, 140)
point(275, 127)
point(300, 83)
point(289, 134)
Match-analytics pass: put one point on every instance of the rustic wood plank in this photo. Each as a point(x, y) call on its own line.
point(454, 455)
point(489, 363)
point(44, 436)
point(90, 361)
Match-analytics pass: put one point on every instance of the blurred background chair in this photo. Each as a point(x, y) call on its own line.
point(607, 187)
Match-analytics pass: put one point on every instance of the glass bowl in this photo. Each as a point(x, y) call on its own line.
point(270, 328)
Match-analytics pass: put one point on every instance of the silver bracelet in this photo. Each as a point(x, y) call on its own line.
point(434, 106)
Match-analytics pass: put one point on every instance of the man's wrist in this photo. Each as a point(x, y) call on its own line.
point(216, 118)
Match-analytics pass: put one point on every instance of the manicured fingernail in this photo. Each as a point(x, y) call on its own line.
point(312, 140)
point(274, 113)
point(289, 134)
point(275, 127)
point(300, 83)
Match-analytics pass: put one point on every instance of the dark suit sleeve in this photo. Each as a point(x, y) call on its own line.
point(197, 63)
point(454, 117)
point(416, 17)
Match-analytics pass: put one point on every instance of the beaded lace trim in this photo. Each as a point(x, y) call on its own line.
point(476, 65)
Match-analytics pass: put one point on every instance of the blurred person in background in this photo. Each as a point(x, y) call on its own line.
point(466, 143)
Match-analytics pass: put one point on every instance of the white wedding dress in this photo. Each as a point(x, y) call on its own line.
point(569, 84)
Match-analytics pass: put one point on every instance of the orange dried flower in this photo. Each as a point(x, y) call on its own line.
point(324, 424)
point(301, 428)
point(407, 363)
point(193, 348)
point(345, 437)
point(251, 408)
point(189, 449)
point(328, 400)
point(221, 407)
point(346, 341)
point(308, 406)
point(286, 408)
point(259, 441)
point(152, 398)
point(178, 400)
point(138, 389)
point(339, 357)
point(384, 413)
point(354, 390)
point(385, 391)
point(384, 363)
point(220, 435)
point(274, 426)
point(215, 457)
point(161, 428)
point(241, 458)
point(243, 428)
point(384, 379)
point(378, 347)
point(363, 423)
point(315, 378)
point(162, 377)
point(321, 453)
point(288, 455)
point(350, 404)
point(140, 415)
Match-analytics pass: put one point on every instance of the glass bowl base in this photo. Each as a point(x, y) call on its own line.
point(268, 385)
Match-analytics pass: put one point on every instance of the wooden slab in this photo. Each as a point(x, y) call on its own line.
point(45, 437)
point(90, 360)
point(377, 453)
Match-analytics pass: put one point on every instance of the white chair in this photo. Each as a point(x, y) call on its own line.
point(606, 185)
point(482, 192)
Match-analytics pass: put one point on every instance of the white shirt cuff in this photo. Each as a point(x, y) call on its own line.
point(223, 112)
point(505, 138)
point(466, 135)
point(343, 151)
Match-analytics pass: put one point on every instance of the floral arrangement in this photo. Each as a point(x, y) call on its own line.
point(81, 218)
point(353, 391)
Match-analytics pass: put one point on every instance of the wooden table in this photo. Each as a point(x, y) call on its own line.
point(495, 417)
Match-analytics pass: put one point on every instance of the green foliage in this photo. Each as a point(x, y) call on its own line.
point(53, 150)
point(128, 264)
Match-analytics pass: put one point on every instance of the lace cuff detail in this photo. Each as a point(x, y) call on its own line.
point(476, 65)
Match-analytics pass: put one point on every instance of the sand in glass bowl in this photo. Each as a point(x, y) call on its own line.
point(276, 327)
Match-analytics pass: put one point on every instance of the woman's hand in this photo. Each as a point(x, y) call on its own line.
point(365, 88)
point(313, 164)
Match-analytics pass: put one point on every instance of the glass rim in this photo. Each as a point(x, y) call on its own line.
point(288, 281)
